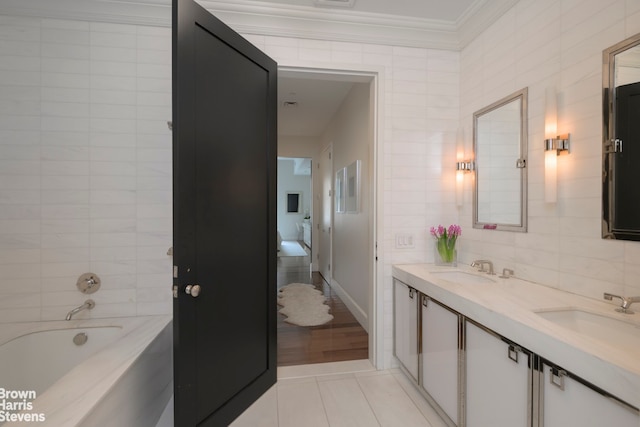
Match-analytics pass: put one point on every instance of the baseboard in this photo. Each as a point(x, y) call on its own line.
point(353, 307)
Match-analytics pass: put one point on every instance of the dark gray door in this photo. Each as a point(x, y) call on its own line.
point(224, 134)
point(627, 174)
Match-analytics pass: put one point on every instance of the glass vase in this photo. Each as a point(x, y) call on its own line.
point(442, 255)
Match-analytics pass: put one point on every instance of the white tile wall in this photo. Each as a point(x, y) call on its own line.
point(541, 43)
point(85, 167)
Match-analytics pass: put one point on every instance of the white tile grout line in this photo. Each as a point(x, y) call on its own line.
point(368, 403)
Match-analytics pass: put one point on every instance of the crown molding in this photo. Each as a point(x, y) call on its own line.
point(252, 17)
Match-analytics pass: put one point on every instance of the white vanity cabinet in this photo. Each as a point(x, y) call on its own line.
point(476, 377)
point(567, 401)
point(440, 356)
point(498, 376)
point(406, 339)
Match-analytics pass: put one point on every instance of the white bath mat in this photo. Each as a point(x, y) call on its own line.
point(291, 248)
point(303, 305)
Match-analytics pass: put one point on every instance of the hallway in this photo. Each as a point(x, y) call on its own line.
point(339, 340)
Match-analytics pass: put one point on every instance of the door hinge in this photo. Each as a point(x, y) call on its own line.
point(175, 291)
point(613, 146)
point(175, 271)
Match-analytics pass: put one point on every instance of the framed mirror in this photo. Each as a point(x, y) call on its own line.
point(621, 140)
point(500, 147)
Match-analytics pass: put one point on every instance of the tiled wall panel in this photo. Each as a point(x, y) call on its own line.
point(85, 167)
point(539, 44)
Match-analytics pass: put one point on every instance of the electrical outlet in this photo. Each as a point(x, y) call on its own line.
point(404, 241)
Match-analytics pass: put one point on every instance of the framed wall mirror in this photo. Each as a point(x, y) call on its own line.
point(621, 140)
point(500, 147)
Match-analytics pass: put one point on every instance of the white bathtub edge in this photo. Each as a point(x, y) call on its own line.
point(68, 401)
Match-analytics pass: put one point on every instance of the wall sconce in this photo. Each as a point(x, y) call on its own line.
point(462, 167)
point(554, 145)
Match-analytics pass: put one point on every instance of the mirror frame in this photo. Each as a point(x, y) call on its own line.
point(522, 96)
point(608, 135)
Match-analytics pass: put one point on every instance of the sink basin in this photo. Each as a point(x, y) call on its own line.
point(613, 331)
point(462, 277)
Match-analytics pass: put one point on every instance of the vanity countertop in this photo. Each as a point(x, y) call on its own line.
point(510, 306)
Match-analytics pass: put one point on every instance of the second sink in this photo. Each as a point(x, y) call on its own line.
point(609, 330)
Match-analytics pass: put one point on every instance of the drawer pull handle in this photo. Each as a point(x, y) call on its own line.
point(513, 352)
point(557, 377)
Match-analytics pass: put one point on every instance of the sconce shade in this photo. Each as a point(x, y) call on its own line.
point(550, 176)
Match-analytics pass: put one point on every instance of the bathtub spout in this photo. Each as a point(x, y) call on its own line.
point(88, 305)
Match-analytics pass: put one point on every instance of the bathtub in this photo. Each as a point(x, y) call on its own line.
point(117, 372)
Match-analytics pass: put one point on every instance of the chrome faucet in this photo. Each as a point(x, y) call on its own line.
point(88, 305)
point(626, 302)
point(481, 263)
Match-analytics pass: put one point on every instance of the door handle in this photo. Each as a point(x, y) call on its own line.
point(193, 290)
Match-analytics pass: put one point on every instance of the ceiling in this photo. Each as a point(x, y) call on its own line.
point(442, 10)
point(306, 105)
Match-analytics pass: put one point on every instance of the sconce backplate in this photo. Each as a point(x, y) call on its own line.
point(88, 283)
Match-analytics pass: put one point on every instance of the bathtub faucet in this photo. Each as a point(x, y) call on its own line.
point(88, 305)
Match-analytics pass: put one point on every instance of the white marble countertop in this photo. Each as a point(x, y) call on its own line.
point(509, 307)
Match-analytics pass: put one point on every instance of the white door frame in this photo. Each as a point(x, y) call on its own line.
point(326, 254)
point(376, 76)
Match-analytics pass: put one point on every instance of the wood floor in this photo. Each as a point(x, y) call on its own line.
point(338, 340)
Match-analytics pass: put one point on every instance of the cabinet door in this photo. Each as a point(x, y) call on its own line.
point(405, 314)
point(440, 356)
point(497, 381)
point(568, 402)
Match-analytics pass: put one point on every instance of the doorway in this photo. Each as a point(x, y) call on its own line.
point(347, 281)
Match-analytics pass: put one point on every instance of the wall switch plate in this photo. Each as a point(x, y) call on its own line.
point(404, 241)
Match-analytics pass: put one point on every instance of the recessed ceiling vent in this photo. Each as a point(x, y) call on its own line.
point(334, 3)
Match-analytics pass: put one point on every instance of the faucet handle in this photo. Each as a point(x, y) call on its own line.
point(479, 264)
point(610, 297)
point(506, 273)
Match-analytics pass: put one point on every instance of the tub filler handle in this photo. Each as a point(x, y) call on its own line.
point(88, 283)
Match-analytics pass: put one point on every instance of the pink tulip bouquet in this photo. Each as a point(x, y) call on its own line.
point(446, 241)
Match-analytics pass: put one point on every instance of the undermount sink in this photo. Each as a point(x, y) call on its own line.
point(616, 332)
point(462, 277)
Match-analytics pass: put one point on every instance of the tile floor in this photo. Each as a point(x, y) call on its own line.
point(348, 394)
